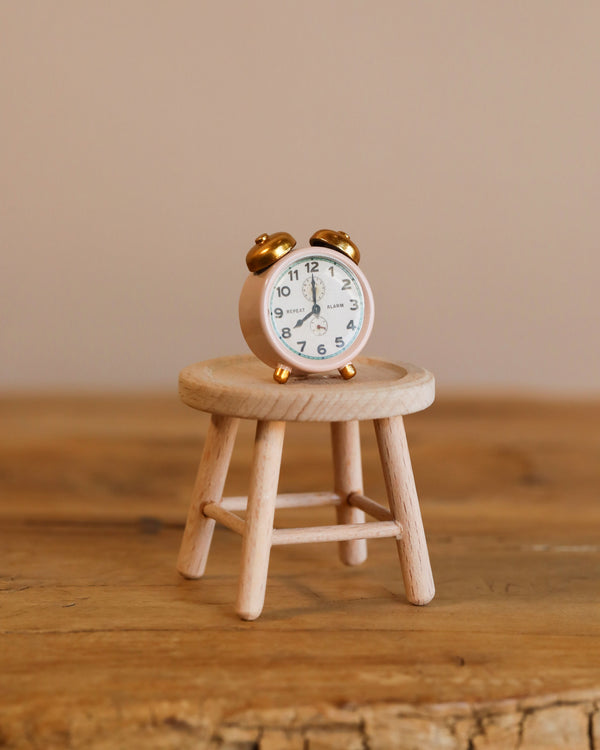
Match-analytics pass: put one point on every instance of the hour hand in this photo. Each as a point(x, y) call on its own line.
point(301, 321)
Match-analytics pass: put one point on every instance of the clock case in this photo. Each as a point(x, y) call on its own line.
point(256, 325)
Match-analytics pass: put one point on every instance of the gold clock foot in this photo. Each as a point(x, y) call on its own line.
point(281, 375)
point(347, 371)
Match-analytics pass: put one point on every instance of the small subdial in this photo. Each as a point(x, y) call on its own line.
point(307, 288)
point(318, 325)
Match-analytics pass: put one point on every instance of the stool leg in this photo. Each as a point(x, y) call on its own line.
point(347, 468)
point(256, 543)
point(404, 505)
point(208, 488)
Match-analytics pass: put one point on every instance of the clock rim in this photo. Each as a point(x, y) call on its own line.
point(296, 361)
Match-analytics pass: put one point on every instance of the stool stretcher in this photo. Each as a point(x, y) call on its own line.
point(287, 500)
point(386, 527)
point(340, 533)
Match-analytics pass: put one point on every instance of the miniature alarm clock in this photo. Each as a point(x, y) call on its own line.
point(306, 310)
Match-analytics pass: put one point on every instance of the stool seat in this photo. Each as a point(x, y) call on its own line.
point(242, 386)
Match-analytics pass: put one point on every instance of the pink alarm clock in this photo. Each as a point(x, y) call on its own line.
point(307, 310)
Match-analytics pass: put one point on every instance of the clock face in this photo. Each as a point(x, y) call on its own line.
point(316, 307)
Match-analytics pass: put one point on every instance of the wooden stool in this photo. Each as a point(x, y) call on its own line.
point(230, 388)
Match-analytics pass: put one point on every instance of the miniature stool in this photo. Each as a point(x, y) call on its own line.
point(241, 387)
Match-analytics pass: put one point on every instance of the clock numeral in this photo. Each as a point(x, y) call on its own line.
point(331, 270)
point(293, 274)
point(301, 344)
point(283, 291)
point(312, 266)
point(321, 349)
point(354, 304)
point(346, 284)
point(286, 333)
point(339, 342)
point(350, 325)
point(278, 312)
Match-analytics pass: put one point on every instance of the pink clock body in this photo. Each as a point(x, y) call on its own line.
point(310, 312)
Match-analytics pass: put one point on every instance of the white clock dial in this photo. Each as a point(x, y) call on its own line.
point(316, 307)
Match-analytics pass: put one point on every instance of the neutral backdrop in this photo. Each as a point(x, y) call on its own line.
point(143, 146)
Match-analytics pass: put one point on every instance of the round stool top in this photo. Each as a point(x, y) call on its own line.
point(242, 386)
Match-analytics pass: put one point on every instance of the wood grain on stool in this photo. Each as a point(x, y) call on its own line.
point(243, 387)
point(208, 488)
point(347, 469)
point(404, 505)
point(256, 545)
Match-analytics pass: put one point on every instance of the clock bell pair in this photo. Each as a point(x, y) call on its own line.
point(307, 310)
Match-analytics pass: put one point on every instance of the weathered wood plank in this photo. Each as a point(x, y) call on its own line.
point(102, 644)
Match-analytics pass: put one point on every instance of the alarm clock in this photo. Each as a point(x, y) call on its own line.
point(307, 310)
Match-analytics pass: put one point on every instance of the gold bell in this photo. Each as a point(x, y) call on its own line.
point(268, 249)
point(336, 241)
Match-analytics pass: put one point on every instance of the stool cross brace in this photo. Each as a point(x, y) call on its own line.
point(340, 533)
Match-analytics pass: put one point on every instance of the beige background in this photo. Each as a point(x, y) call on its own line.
point(144, 145)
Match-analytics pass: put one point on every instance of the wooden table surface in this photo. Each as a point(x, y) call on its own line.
point(103, 645)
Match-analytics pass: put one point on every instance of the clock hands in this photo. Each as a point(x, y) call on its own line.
point(316, 310)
